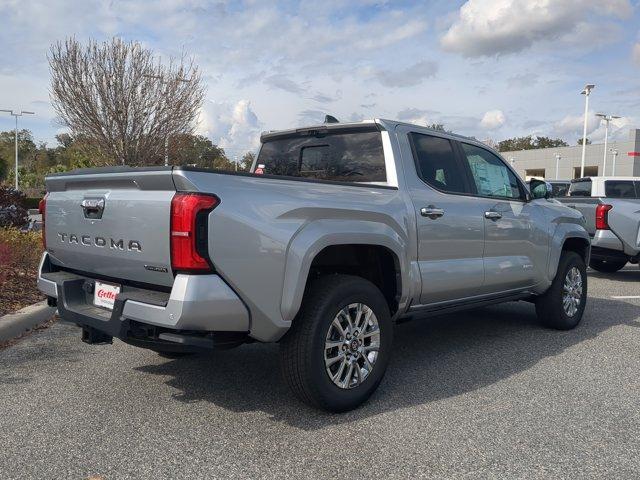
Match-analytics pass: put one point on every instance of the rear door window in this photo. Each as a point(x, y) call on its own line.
point(346, 155)
point(620, 189)
point(436, 163)
point(580, 188)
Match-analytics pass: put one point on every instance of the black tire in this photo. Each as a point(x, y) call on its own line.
point(302, 350)
point(174, 355)
point(549, 307)
point(607, 266)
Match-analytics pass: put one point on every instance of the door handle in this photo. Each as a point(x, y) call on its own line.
point(491, 215)
point(431, 212)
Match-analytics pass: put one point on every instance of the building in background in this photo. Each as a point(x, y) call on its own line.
point(541, 163)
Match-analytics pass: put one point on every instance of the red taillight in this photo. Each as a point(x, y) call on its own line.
point(42, 208)
point(602, 216)
point(189, 213)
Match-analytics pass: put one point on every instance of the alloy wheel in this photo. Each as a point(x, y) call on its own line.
point(572, 291)
point(352, 345)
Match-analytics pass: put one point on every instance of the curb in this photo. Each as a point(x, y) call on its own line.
point(15, 324)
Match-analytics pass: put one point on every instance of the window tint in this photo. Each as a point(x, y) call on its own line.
point(341, 156)
point(559, 189)
point(436, 163)
point(491, 176)
point(580, 189)
point(620, 189)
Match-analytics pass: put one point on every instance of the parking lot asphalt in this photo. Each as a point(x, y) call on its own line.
point(481, 394)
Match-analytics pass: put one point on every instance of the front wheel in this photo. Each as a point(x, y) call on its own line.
point(337, 350)
point(607, 266)
point(562, 305)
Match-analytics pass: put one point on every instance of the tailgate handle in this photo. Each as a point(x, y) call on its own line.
point(93, 207)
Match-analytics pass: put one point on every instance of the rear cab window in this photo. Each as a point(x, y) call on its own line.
point(580, 188)
point(559, 189)
point(343, 155)
point(621, 189)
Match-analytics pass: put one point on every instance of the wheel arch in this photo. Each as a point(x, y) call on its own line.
point(363, 248)
point(573, 241)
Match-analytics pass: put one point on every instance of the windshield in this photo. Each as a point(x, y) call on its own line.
point(347, 156)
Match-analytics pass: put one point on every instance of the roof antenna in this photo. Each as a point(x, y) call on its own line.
point(330, 119)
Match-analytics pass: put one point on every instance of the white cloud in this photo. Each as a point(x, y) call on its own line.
point(283, 82)
point(572, 125)
point(636, 53)
point(234, 127)
point(418, 116)
point(412, 75)
point(490, 27)
point(492, 120)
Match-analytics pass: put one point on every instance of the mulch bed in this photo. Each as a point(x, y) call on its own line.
point(18, 291)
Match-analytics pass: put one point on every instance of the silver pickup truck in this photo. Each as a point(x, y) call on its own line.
point(339, 231)
point(611, 208)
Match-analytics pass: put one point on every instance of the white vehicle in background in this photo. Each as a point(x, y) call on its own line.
point(611, 207)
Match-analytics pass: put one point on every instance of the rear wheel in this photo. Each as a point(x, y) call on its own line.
point(174, 355)
point(562, 305)
point(607, 266)
point(337, 350)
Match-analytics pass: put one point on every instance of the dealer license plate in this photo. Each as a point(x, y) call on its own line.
point(104, 294)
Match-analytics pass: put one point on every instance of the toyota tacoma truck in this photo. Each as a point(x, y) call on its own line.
point(338, 232)
point(611, 207)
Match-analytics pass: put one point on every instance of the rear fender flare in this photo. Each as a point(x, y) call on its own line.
point(319, 234)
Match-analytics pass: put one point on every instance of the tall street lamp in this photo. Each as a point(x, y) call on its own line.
point(614, 153)
point(558, 157)
point(586, 92)
point(606, 119)
point(166, 138)
point(16, 115)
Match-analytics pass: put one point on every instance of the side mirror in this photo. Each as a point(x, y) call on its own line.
point(540, 188)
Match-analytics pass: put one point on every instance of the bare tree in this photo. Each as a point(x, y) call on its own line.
point(121, 99)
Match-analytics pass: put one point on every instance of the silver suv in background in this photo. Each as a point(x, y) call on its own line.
point(611, 207)
point(339, 231)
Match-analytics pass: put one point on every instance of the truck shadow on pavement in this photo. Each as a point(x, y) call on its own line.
point(433, 359)
point(630, 273)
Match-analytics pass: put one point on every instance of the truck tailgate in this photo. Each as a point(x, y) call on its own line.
point(624, 220)
point(113, 224)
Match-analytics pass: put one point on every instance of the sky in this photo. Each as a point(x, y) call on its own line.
point(484, 68)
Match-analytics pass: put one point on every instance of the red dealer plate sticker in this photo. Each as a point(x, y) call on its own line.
point(104, 294)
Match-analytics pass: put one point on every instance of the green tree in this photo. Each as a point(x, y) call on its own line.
point(197, 150)
point(246, 162)
point(438, 127)
point(4, 169)
point(588, 142)
point(530, 143)
point(547, 142)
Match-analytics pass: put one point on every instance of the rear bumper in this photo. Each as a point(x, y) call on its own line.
point(201, 303)
point(608, 240)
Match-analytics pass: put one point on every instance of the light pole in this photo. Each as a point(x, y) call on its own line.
point(558, 157)
point(614, 153)
point(16, 115)
point(586, 92)
point(166, 138)
point(606, 119)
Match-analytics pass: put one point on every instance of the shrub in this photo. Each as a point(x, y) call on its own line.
point(32, 202)
point(13, 211)
point(19, 257)
point(19, 251)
